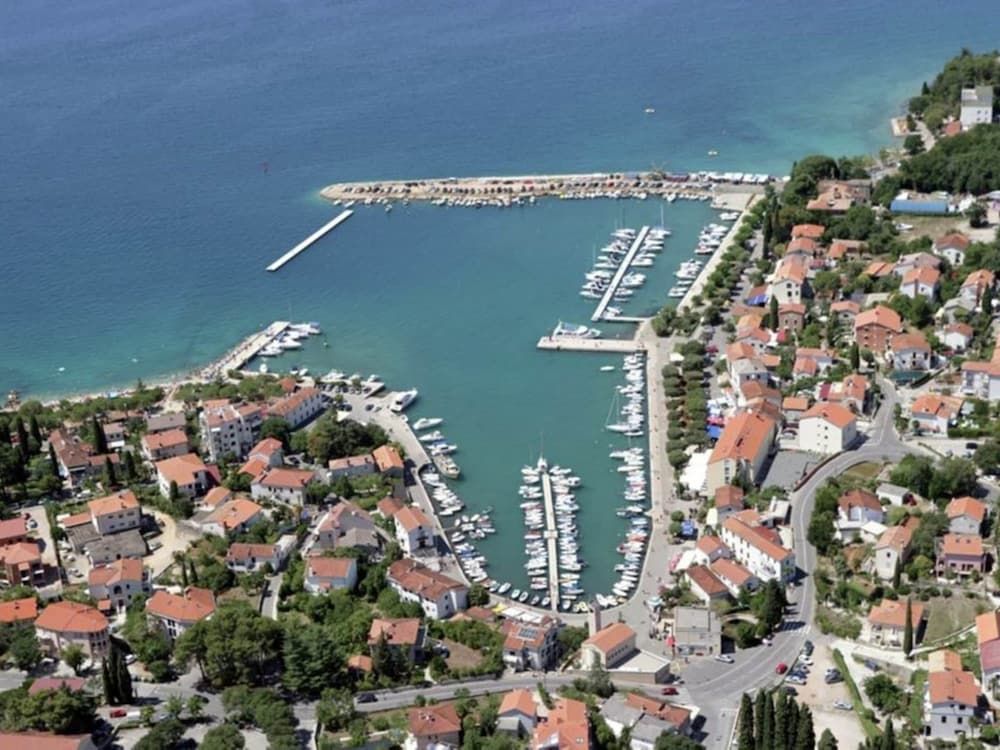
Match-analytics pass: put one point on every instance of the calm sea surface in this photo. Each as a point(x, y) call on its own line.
point(156, 156)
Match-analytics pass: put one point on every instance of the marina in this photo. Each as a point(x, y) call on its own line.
point(311, 240)
point(616, 279)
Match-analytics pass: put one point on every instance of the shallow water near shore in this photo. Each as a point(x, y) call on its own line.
point(156, 159)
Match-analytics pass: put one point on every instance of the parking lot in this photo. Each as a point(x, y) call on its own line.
point(821, 697)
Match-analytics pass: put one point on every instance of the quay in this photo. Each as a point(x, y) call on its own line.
point(503, 191)
point(310, 240)
point(579, 344)
point(616, 280)
point(246, 350)
point(551, 537)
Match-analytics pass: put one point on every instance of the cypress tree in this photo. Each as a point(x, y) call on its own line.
point(987, 301)
point(746, 741)
point(129, 467)
point(22, 438)
point(767, 724)
point(794, 717)
point(760, 740)
point(908, 629)
point(194, 573)
point(855, 357)
point(53, 461)
point(109, 691)
point(35, 432)
point(827, 741)
point(897, 574)
point(174, 492)
point(4, 432)
point(772, 317)
point(781, 711)
point(100, 441)
point(805, 734)
point(123, 679)
point(109, 478)
point(184, 573)
point(888, 737)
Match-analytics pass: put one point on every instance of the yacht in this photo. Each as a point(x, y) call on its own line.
point(402, 400)
point(574, 331)
point(607, 368)
point(676, 292)
point(425, 423)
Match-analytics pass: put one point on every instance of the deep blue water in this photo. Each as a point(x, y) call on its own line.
point(156, 156)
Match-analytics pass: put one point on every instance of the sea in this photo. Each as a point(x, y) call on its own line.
point(155, 156)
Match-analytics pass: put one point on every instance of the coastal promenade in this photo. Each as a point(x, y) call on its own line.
point(518, 190)
point(620, 272)
point(551, 537)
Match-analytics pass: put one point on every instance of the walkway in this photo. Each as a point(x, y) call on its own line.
point(551, 539)
point(619, 274)
point(577, 344)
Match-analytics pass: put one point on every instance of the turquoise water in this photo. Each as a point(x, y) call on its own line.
point(157, 156)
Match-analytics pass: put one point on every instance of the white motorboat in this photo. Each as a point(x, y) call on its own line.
point(425, 423)
point(563, 330)
point(403, 399)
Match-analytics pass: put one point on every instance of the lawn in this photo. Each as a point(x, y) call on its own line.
point(866, 470)
point(461, 656)
point(946, 616)
point(916, 710)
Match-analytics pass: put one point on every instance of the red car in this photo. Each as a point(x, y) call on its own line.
point(669, 690)
point(712, 349)
point(118, 713)
point(781, 668)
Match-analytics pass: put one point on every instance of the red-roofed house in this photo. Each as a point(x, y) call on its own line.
point(910, 351)
point(788, 282)
point(728, 500)
point(188, 471)
point(609, 646)
point(66, 623)
point(434, 728)
point(414, 530)
point(174, 613)
point(518, 714)
point(330, 573)
point(388, 461)
point(963, 554)
point(827, 428)
point(157, 446)
point(118, 512)
point(705, 585)
point(242, 557)
point(19, 610)
point(405, 634)
point(43, 684)
point(269, 451)
point(352, 466)
point(851, 392)
point(565, 728)
point(46, 741)
point(792, 316)
point(229, 429)
point(988, 637)
point(709, 549)
point(22, 564)
point(119, 583)
point(812, 231)
point(934, 412)
point(952, 706)
point(965, 515)
point(438, 595)
point(756, 550)
point(741, 450)
point(846, 311)
point(957, 336)
point(952, 247)
point(13, 530)
point(892, 551)
point(921, 282)
point(299, 408)
point(886, 623)
point(736, 577)
point(875, 329)
point(976, 284)
point(283, 485)
point(234, 517)
point(530, 645)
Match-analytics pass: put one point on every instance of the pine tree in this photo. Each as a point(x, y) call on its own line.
point(761, 707)
point(100, 440)
point(772, 317)
point(781, 711)
point(805, 734)
point(908, 629)
point(827, 741)
point(746, 724)
point(888, 737)
point(855, 357)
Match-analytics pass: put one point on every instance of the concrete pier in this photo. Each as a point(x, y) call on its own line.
point(246, 350)
point(616, 280)
point(577, 344)
point(310, 240)
point(551, 539)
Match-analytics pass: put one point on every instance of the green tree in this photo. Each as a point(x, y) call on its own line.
point(746, 739)
point(782, 708)
point(987, 456)
point(195, 707)
point(277, 428)
point(805, 733)
point(570, 639)
point(855, 357)
point(913, 144)
point(888, 740)
point(108, 476)
point(74, 657)
point(174, 706)
point(23, 443)
point(976, 213)
point(61, 711)
point(908, 629)
point(335, 710)
point(884, 693)
point(312, 658)
point(53, 461)
point(165, 735)
point(224, 737)
point(669, 741)
point(763, 721)
point(174, 493)
point(827, 741)
point(100, 440)
point(772, 315)
point(478, 595)
point(23, 648)
point(128, 463)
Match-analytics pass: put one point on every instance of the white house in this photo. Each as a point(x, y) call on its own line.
point(283, 485)
point(299, 408)
point(352, 466)
point(174, 613)
point(188, 472)
point(957, 336)
point(910, 351)
point(965, 515)
point(118, 512)
point(920, 282)
point(981, 379)
point(330, 573)
point(414, 529)
point(755, 548)
point(977, 106)
point(438, 595)
point(935, 413)
point(855, 509)
point(827, 428)
point(892, 550)
point(119, 582)
point(952, 247)
point(249, 558)
point(951, 704)
point(229, 429)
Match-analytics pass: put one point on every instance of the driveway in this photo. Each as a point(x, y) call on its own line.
point(174, 537)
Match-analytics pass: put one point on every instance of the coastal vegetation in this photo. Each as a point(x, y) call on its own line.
point(329, 439)
point(964, 163)
point(940, 99)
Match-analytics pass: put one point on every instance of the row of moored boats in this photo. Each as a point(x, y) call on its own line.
point(608, 263)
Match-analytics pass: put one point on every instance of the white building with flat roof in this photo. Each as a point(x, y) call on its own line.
point(977, 106)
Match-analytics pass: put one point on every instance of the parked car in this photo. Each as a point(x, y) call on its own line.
point(789, 690)
point(725, 658)
point(873, 666)
point(808, 647)
point(843, 705)
point(118, 713)
point(366, 698)
point(781, 668)
point(668, 690)
point(767, 640)
point(806, 659)
point(797, 679)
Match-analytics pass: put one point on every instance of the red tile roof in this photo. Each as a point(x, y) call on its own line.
point(431, 721)
point(403, 631)
point(19, 610)
point(120, 501)
point(195, 605)
point(610, 637)
point(71, 617)
point(881, 316)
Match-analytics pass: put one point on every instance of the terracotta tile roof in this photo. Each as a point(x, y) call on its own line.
point(732, 571)
point(961, 545)
point(881, 316)
point(19, 610)
point(610, 637)
point(920, 259)
point(755, 537)
point(967, 506)
point(980, 278)
point(71, 617)
point(565, 729)
point(287, 405)
point(988, 627)
point(805, 366)
point(743, 437)
point(518, 700)
point(846, 306)
point(21, 553)
point(45, 741)
point(710, 545)
point(255, 468)
point(812, 231)
point(403, 631)
point(896, 537)
point(386, 458)
point(963, 329)
point(126, 569)
point(936, 405)
point(195, 605)
point(954, 239)
point(120, 501)
point(412, 518)
point(420, 580)
point(859, 498)
point(801, 245)
point(234, 514)
point(361, 663)
point(674, 715)
point(242, 551)
point(73, 684)
point(944, 660)
point(739, 350)
point(13, 528)
point(905, 341)
point(837, 415)
point(154, 441)
point(286, 478)
point(349, 462)
point(705, 579)
point(181, 469)
point(266, 447)
point(389, 506)
point(953, 687)
point(791, 269)
point(792, 307)
point(795, 403)
point(333, 519)
point(330, 567)
point(521, 635)
point(729, 496)
point(877, 269)
point(892, 614)
point(428, 721)
point(217, 496)
point(840, 248)
point(922, 275)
